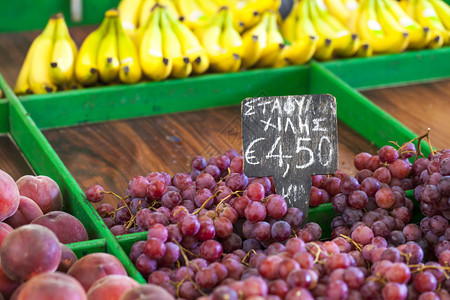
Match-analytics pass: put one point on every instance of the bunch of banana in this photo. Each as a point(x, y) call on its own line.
point(222, 42)
point(49, 63)
point(108, 54)
point(263, 43)
point(311, 25)
point(431, 14)
point(167, 47)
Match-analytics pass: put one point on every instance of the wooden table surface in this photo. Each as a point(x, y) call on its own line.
point(111, 153)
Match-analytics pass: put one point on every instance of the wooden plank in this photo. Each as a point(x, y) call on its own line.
point(12, 161)
point(111, 153)
point(419, 107)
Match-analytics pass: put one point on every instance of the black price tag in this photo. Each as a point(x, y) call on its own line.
point(290, 138)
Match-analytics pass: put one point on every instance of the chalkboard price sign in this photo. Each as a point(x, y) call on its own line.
point(290, 138)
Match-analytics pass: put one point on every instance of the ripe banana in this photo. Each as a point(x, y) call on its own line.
point(324, 50)
point(39, 77)
point(443, 11)
point(371, 30)
point(86, 67)
point(154, 64)
point(437, 41)
point(22, 85)
point(254, 41)
point(275, 44)
point(304, 27)
point(147, 6)
point(129, 69)
point(63, 54)
point(392, 28)
point(419, 36)
point(365, 50)
point(129, 13)
point(108, 58)
point(192, 13)
point(342, 11)
point(249, 12)
point(289, 24)
point(190, 46)
point(182, 66)
point(298, 53)
point(427, 16)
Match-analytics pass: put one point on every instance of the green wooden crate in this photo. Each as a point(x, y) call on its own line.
point(28, 115)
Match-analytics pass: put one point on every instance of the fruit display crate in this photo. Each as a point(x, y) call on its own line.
point(24, 118)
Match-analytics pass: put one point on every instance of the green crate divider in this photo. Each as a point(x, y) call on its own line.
point(4, 109)
point(393, 70)
point(45, 161)
point(87, 247)
point(20, 15)
point(150, 98)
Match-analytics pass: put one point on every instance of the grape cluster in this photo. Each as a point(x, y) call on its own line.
point(214, 234)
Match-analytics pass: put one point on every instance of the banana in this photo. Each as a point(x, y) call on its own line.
point(338, 9)
point(305, 27)
point(420, 36)
point(22, 85)
point(129, 13)
point(392, 28)
point(182, 66)
point(221, 59)
point(192, 13)
point(86, 67)
point(427, 16)
point(190, 46)
point(254, 41)
point(275, 44)
point(324, 50)
point(154, 64)
point(63, 54)
point(129, 69)
point(147, 6)
point(209, 7)
point(345, 43)
point(299, 52)
point(443, 11)
point(108, 58)
point(249, 12)
point(371, 30)
point(230, 39)
point(39, 77)
point(289, 24)
point(365, 50)
point(437, 41)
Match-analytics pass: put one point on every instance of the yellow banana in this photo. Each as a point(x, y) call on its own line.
point(249, 12)
point(254, 41)
point(129, 13)
point(426, 15)
point(190, 46)
point(39, 77)
point(304, 27)
point(324, 50)
point(437, 41)
point(338, 9)
point(299, 52)
point(275, 44)
point(154, 65)
point(365, 50)
point(210, 8)
point(86, 67)
point(182, 66)
point(370, 29)
point(392, 28)
point(63, 55)
point(231, 41)
point(129, 69)
point(147, 6)
point(192, 13)
point(108, 58)
point(289, 24)
point(443, 11)
point(22, 85)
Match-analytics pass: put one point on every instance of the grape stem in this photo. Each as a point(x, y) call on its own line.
point(348, 239)
point(236, 193)
point(206, 202)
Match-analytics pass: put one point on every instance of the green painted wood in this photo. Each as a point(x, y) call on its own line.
point(4, 109)
point(45, 161)
point(20, 15)
point(151, 98)
point(393, 70)
point(87, 247)
point(358, 112)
